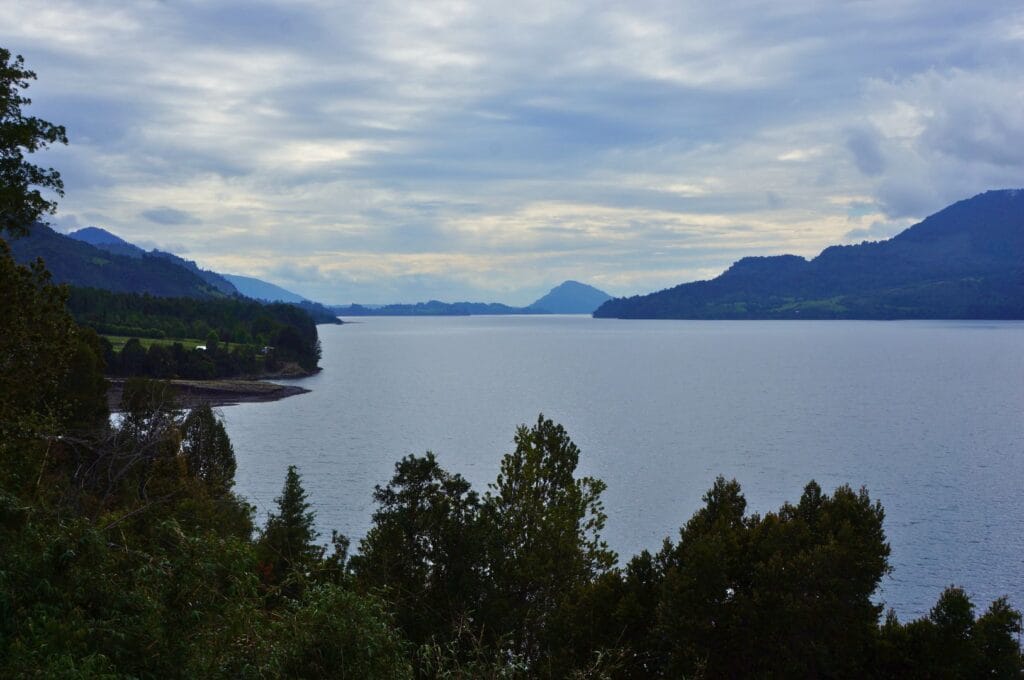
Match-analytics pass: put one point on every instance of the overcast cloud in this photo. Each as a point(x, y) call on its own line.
point(397, 151)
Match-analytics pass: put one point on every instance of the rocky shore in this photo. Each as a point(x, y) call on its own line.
point(192, 393)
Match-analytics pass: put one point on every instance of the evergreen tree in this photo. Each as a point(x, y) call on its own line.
point(287, 545)
point(424, 552)
point(207, 450)
point(543, 536)
point(21, 203)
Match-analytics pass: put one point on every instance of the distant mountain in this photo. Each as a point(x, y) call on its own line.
point(261, 290)
point(74, 261)
point(213, 278)
point(571, 297)
point(95, 258)
point(434, 308)
point(101, 238)
point(964, 262)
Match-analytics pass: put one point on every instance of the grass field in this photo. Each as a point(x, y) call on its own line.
point(119, 341)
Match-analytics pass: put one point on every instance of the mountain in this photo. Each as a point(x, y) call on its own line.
point(101, 238)
point(433, 308)
point(261, 290)
point(76, 262)
point(213, 278)
point(571, 297)
point(95, 258)
point(964, 262)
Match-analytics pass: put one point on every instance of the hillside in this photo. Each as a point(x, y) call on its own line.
point(571, 297)
point(79, 263)
point(966, 261)
point(261, 290)
point(103, 239)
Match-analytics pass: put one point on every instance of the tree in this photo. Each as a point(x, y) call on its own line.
point(21, 202)
point(950, 643)
point(785, 595)
point(37, 344)
point(544, 534)
point(208, 453)
point(287, 543)
point(424, 552)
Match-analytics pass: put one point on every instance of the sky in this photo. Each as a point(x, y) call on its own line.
point(402, 151)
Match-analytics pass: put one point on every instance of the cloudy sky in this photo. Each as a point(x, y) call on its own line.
point(400, 151)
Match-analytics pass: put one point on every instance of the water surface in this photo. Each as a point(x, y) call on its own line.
point(926, 415)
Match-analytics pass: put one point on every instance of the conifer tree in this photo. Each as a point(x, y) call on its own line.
point(21, 203)
point(208, 451)
point(287, 544)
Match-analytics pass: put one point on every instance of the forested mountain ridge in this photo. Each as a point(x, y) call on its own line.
point(95, 258)
point(966, 261)
point(79, 263)
point(101, 238)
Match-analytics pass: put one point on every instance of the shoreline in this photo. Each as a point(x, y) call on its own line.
point(216, 393)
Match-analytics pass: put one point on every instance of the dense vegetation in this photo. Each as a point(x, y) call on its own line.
point(265, 335)
point(104, 240)
point(964, 262)
point(81, 264)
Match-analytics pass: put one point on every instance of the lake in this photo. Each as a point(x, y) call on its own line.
point(928, 415)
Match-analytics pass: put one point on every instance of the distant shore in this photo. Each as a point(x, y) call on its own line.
point(192, 393)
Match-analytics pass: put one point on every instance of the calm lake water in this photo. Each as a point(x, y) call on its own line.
point(929, 416)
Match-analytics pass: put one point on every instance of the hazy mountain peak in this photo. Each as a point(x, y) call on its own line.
point(97, 236)
point(262, 290)
point(571, 297)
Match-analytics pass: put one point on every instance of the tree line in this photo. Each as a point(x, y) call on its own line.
point(265, 336)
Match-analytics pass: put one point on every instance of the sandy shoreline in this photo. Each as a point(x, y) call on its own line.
point(192, 393)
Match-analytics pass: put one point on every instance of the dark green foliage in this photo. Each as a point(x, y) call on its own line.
point(951, 643)
point(964, 262)
point(783, 595)
point(37, 345)
point(787, 594)
point(207, 450)
point(21, 202)
point(543, 537)
point(274, 334)
point(334, 633)
point(424, 553)
point(287, 545)
point(84, 387)
point(79, 264)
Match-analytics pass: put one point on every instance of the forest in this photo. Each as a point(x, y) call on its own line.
point(127, 554)
point(239, 336)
